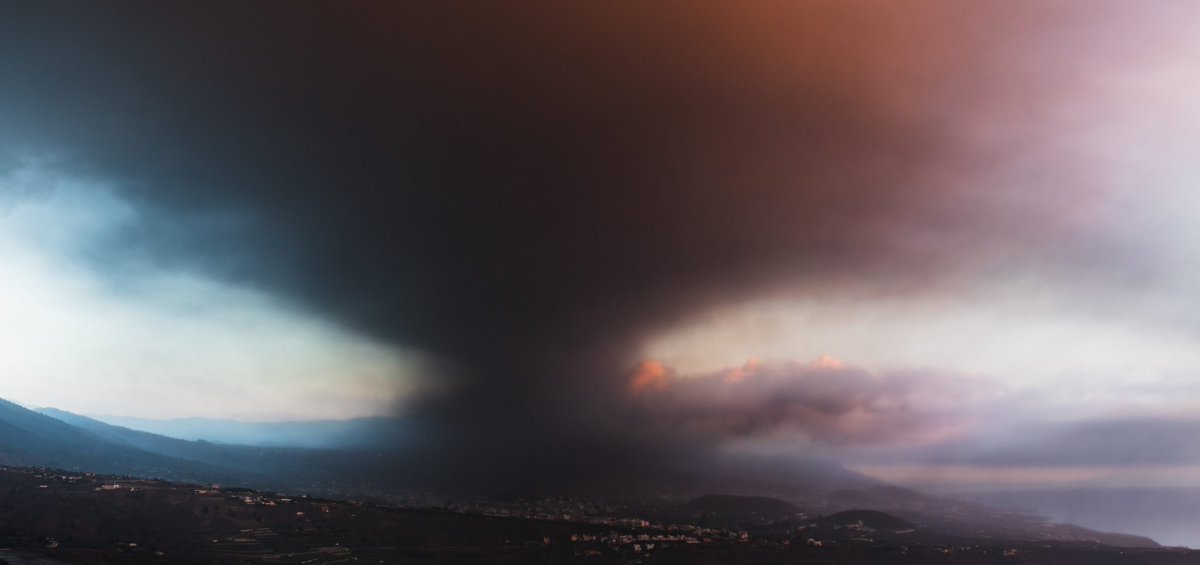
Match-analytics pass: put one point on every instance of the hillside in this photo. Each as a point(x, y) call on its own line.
point(28, 438)
point(262, 467)
point(355, 433)
point(759, 506)
point(71, 442)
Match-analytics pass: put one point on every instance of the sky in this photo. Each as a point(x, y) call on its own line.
point(951, 245)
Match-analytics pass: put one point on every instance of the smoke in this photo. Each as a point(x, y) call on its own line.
point(529, 191)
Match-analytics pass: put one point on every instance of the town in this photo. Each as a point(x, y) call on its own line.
point(73, 517)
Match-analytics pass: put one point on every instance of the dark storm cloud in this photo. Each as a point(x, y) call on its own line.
point(437, 174)
point(528, 190)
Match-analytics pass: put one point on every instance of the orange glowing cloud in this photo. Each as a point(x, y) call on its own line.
point(739, 374)
point(649, 375)
point(824, 401)
point(827, 362)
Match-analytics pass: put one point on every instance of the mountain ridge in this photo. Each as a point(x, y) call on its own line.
point(69, 441)
point(348, 433)
point(29, 438)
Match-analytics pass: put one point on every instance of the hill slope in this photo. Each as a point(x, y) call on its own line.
point(69, 441)
point(28, 438)
point(761, 506)
point(322, 434)
point(283, 468)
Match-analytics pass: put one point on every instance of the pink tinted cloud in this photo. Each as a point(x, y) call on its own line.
point(825, 401)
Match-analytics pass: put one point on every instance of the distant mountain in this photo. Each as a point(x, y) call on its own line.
point(806, 481)
point(28, 438)
point(909, 515)
point(59, 439)
point(357, 433)
point(760, 506)
point(954, 517)
point(263, 467)
point(242, 458)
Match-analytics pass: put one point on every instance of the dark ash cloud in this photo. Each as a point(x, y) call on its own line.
point(529, 190)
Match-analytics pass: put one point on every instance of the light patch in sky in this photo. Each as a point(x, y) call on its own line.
point(1010, 334)
point(167, 344)
point(1101, 300)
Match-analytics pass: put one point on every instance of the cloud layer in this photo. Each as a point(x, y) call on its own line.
point(164, 343)
point(797, 404)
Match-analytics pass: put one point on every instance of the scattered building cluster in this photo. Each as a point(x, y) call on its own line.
point(247, 526)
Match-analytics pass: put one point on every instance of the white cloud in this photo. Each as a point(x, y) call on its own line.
point(164, 344)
